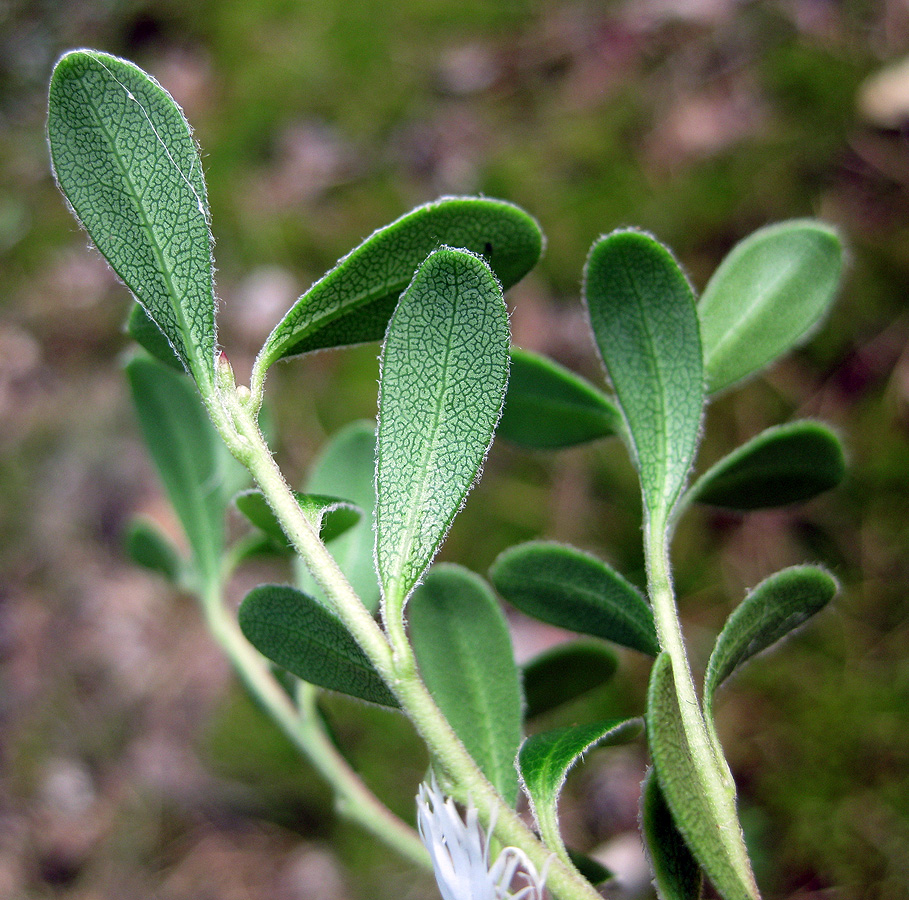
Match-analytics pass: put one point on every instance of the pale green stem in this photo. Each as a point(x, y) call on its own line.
point(235, 420)
point(302, 726)
point(706, 756)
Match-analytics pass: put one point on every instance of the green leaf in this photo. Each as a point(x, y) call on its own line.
point(766, 296)
point(702, 806)
point(330, 516)
point(464, 651)
point(187, 453)
point(444, 370)
point(149, 548)
point(125, 159)
point(148, 336)
point(644, 321)
point(574, 590)
point(545, 760)
point(547, 406)
point(786, 464)
point(677, 875)
point(346, 467)
point(596, 873)
point(355, 300)
point(775, 607)
point(565, 672)
point(302, 636)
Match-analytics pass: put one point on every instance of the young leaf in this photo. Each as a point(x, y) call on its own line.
point(565, 672)
point(444, 370)
point(354, 301)
point(126, 161)
point(464, 651)
point(330, 516)
point(702, 807)
point(547, 406)
point(766, 296)
point(775, 607)
point(148, 547)
point(187, 453)
point(346, 467)
point(545, 760)
point(302, 636)
point(148, 336)
point(786, 464)
point(574, 590)
point(644, 321)
point(677, 876)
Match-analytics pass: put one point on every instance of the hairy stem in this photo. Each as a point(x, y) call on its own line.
point(303, 727)
point(390, 653)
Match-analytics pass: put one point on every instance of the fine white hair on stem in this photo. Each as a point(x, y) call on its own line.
point(460, 853)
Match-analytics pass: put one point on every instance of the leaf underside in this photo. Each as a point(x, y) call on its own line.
point(444, 370)
point(703, 808)
point(125, 159)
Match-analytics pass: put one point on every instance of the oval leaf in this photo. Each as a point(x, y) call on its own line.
point(444, 370)
point(547, 406)
point(766, 296)
point(346, 467)
point(677, 876)
point(643, 317)
point(787, 464)
point(703, 808)
point(545, 760)
point(330, 516)
point(148, 547)
point(574, 590)
point(187, 453)
point(355, 300)
point(126, 161)
point(464, 651)
point(565, 672)
point(774, 608)
point(302, 636)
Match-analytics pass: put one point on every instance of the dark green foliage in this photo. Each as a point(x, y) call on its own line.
point(300, 635)
point(565, 672)
point(547, 406)
point(574, 590)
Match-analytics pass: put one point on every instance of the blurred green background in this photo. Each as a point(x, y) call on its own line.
point(131, 766)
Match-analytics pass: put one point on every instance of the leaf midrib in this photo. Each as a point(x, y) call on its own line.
point(410, 528)
point(176, 302)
